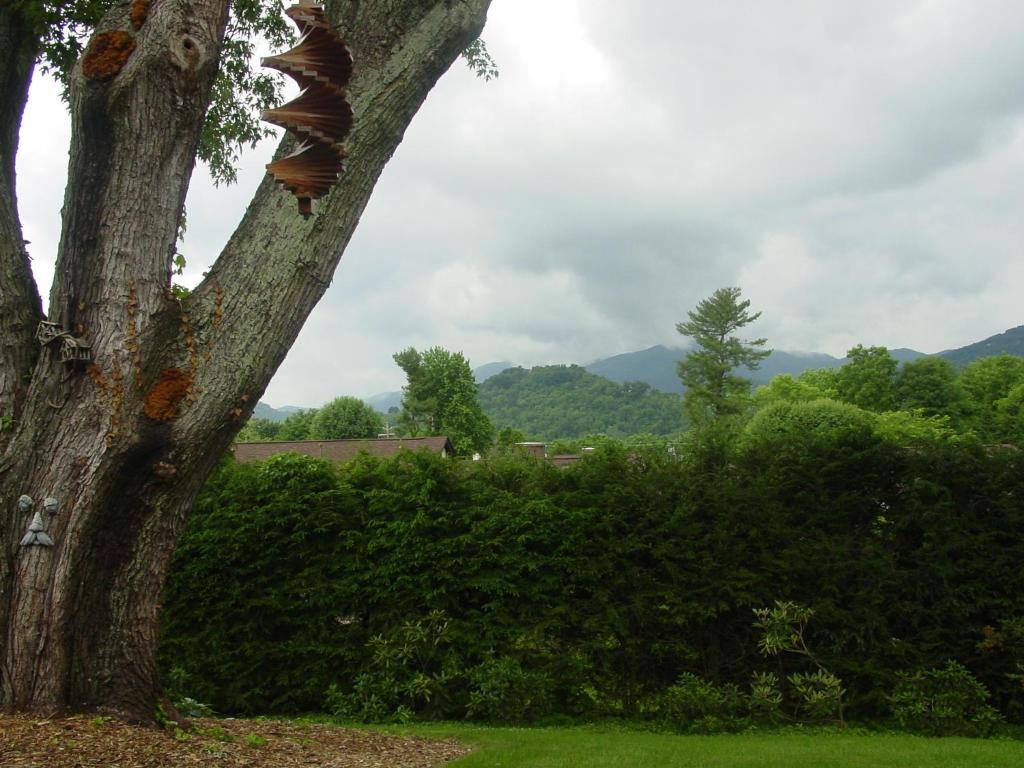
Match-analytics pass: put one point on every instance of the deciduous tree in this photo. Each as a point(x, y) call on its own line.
point(440, 398)
point(125, 442)
point(929, 384)
point(259, 430)
point(868, 380)
point(988, 384)
point(297, 426)
point(346, 417)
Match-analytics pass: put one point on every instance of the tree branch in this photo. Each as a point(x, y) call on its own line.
point(138, 98)
point(277, 266)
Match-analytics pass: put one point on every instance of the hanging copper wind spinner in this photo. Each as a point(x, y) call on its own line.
point(320, 115)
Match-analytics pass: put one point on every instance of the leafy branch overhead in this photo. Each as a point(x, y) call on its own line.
point(479, 59)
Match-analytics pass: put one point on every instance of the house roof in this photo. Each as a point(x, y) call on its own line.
point(533, 449)
point(564, 459)
point(341, 450)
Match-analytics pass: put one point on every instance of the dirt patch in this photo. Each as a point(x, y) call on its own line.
point(85, 742)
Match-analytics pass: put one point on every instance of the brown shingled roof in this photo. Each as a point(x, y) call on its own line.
point(341, 450)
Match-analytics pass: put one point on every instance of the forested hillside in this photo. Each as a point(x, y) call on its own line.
point(1009, 342)
point(556, 401)
point(264, 411)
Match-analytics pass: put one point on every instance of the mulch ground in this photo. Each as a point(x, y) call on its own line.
point(89, 742)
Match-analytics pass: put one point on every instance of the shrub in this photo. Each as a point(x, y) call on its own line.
point(1002, 666)
point(501, 691)
point(765, 701)
point(818, 694)
point(694, 705)
point(794, 429)
point(943, 702)
point(414, 671)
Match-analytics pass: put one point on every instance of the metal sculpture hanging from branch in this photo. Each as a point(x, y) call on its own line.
point(320, 116)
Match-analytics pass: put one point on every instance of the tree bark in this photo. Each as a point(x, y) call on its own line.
point(125, 443)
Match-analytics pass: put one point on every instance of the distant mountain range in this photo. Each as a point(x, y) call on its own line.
point(264, 411)
point(656, 366)
point(485, 371)
point(384, 401)
point(1009, 342)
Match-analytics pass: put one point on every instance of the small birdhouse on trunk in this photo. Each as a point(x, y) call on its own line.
point(72, 350)
point(48, 332)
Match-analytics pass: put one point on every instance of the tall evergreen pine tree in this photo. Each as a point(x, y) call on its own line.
point(712, 389)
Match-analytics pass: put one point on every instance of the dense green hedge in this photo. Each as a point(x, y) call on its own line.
point(509, 590)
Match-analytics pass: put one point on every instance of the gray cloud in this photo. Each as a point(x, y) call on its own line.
point(856, 167)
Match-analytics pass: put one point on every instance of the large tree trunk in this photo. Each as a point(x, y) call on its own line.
point(125, 443)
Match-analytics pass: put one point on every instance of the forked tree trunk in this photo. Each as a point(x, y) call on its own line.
point(125, 443)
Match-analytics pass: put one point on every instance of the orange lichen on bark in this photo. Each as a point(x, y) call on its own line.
point(140, 10)
point(165, 396)
point(95, 373)
point(106, 54)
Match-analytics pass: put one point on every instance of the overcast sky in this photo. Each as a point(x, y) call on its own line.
point(857, 168)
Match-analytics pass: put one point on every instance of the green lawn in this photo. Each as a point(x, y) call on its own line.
point(613, 748)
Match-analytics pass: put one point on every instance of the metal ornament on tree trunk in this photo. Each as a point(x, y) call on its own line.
point(320, 116)
point(36, 535)
point(72, 350)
